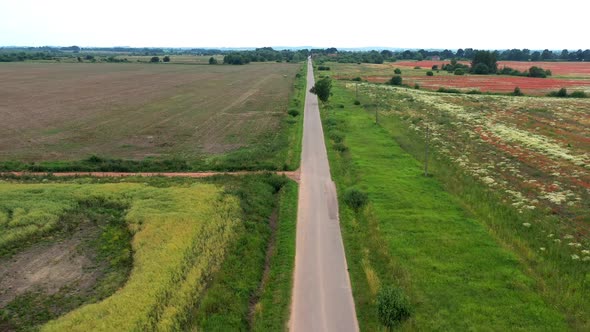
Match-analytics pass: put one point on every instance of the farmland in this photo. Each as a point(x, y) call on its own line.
point(54, 113)
point(573, 76)
point(508, 191)
point(183, 238)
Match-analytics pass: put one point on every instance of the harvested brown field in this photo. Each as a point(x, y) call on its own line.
point(53, 111)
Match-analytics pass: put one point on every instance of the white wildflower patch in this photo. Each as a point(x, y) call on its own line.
point(575, 257)
point(542, 248)
point(555, 197)
point(568, 236)
point(586, 259)
point(526, 224)
point(586, 252)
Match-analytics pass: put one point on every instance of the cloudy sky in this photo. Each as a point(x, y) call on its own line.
point(323, 23)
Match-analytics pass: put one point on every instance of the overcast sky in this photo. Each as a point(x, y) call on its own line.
point(323, 23)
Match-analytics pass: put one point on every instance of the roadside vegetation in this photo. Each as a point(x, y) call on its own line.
point(465, 255)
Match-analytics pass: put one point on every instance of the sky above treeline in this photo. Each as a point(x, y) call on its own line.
point(499, 24)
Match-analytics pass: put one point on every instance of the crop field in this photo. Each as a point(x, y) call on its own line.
point(518, 167)
point(574, 76)
point(67, 112)
point(141, 254)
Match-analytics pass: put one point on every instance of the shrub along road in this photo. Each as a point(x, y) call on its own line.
point(322, 297)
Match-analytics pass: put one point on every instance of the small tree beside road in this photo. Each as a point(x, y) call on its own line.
point(322, 89)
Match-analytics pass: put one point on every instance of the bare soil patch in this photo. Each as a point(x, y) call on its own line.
point(47, 268)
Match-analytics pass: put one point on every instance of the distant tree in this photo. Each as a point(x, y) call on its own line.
point(79, 59)
point(517, 92)
point(212, 61)
point(546, 55)
point(166, 59)
point(434, 67)
point(536, 56)
point(429, 73)
point(565, 54)
point(397, 71)
point(484, 62)
point(322, 89)
point(460, 53)
point(155, 59)
point(480, 69)
point(395, 80)
point(459, 71)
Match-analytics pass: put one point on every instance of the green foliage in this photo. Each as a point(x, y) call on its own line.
point(166, 58)
point(357, 79)
point(155, 59)
point(293, 112)
point(355, 198)
point(448, 90)
point(484, 62)
point(416, 86)
point(459, 71)
point(322, 89)
point(517, 92)
point(392, 307)
point(397, 71)
point(429, 73)
point(538, 72)
point(212, 61)
point(357, 102)
point(395, 80)
point(579, 94)
point(562, 93)
point(323, 68)
point(481, 69)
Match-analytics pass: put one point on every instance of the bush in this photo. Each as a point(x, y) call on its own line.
point(417, 67)
point(434, 67)
point(293, 112)
point(459, 71)
point(323, 68)
point(481, 69)
point(337, 136)
point(517, 92)
point(356, 102)
point(416, 86)
point(355, 198)
point(340, 147)
point(561, 93)
point(579, 94)
point(429, 73)
point(397, 71)
point(155, 59)
point(445, 90)
point(395, 80)
point(474, 92)
point(392, 307)
point(166, 59)
point(357, 79)
point(322, 89)
point(213, 61)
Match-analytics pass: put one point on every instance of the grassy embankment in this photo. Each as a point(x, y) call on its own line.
point(197, 248)
point(415, 235)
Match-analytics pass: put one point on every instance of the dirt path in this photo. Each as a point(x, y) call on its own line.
point(295, 175)
point(322, 296)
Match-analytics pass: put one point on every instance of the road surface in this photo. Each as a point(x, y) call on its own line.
point(322, 297)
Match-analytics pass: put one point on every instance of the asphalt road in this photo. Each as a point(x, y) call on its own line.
point(322, 297)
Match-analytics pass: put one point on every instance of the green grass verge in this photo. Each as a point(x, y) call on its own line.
point(273, 308)
point(417, 236)
point(232, 297)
